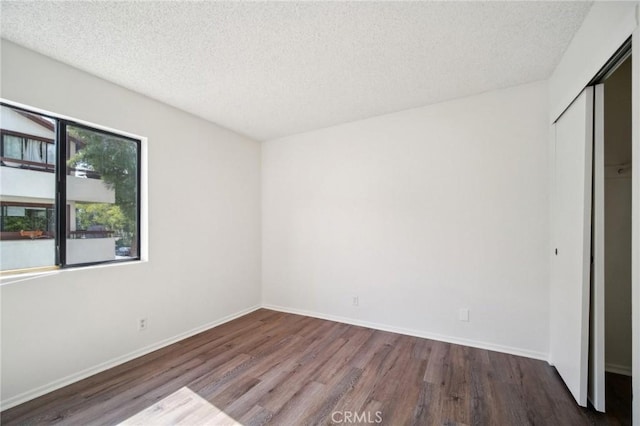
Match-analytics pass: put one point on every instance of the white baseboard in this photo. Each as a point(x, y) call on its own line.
point(416, 333)
point(625, 370)
point(57, 384)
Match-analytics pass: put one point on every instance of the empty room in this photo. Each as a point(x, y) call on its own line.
point(301, 213)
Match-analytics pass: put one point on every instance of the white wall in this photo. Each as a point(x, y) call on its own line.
point(204, 238)
point(417, 213)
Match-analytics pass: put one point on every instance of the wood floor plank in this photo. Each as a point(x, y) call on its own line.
point(379, 341)
point(456, 386)
point(483, 399)
point(310, 363)
point(343, 356)
point(257, 416)
point(428, 408)
point(249, 400)
point(362, 389)
point(182, 407)
point(275, 368)
point(342, 383)
point(438, 365)
point(300, 405)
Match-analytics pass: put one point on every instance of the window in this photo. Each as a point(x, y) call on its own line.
point(18, 217)
point(27, 151)
point(82, 210)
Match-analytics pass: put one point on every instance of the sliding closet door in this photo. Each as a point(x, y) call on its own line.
point(572, 244)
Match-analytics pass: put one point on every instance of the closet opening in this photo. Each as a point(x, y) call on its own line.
point(611, 311)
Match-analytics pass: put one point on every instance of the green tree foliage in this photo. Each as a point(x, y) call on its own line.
point(108, 215)
point(115, 160)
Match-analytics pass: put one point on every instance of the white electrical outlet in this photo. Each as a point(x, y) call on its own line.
point(356, 302)
point(463, 315)
point(142, 324)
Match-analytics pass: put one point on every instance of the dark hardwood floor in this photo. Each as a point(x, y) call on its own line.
point(274, 368)
point(618, 397)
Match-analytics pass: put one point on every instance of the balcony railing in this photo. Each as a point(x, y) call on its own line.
point(24, 183)
point(41, 252)
point(49, 168)
point(30, 165)
point(44, 235)
point(80, 234)
point(25, 235)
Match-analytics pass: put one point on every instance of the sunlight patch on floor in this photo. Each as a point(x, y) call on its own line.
point(183, 407)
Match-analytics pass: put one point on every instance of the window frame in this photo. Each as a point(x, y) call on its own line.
point(61, 170)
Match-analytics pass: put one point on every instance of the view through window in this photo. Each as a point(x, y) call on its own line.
point(66, 204)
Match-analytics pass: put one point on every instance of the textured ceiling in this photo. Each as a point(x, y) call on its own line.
point(271, 69)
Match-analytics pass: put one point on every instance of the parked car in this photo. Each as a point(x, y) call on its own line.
point(123, 251)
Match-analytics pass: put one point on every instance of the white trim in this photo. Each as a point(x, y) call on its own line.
point(57, 384)
point(416, 333)
point(625, 370)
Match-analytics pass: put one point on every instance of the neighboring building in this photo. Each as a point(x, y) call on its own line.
point(27, 197)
